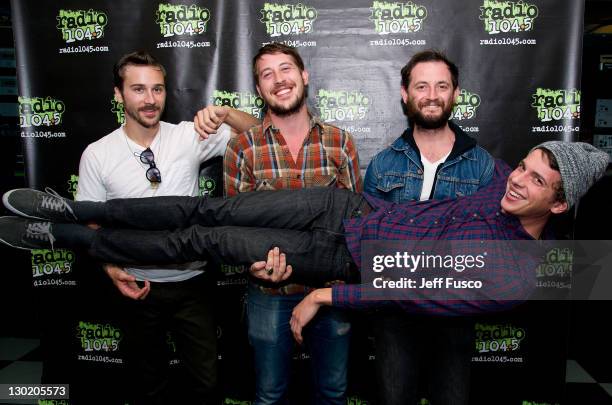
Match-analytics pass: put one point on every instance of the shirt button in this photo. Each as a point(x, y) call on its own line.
point(420, 171)
point(436, 222)
point(411, 220)
point(389, 212)
point(497, 214)
point(454, 218)
point(475, 215)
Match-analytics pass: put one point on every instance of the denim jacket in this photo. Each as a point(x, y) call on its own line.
point(396, 173)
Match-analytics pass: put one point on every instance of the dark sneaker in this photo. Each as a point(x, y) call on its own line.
point(35, 204)
point(26, 234)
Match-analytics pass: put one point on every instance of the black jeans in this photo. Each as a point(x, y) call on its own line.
point(183, 309)
point(417, 355)
point(305, 224)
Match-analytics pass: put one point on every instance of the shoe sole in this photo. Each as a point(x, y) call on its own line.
point(16, 247)
point(14, 210)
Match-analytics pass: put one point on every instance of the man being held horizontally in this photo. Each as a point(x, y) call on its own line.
point(147, 157)
point(433, 159)
point(291, 149)
point(319, 229)
point(548, 181)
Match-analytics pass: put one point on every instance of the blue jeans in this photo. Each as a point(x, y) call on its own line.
point(326, 338)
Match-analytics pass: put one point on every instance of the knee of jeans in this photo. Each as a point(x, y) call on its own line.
point(340, 329)
point(270, 392)
point(331, 324)
point(333, 391)
point(330, 335)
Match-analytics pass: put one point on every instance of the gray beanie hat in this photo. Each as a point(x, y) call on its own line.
point(580, 165)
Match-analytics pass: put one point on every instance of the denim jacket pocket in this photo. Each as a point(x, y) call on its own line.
point(392, 187)
point(457, 189)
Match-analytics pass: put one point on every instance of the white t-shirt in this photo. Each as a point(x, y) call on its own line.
point(429, 175)
point(111, 168)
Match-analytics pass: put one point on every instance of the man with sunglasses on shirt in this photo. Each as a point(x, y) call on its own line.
point(147, 157)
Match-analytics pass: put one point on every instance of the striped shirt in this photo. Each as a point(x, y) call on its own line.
point(260, 159)
point(477, 217)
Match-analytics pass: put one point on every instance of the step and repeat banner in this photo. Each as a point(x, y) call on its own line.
point(519, 65)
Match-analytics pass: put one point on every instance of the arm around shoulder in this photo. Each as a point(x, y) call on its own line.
point(240, 121)
point(210, 118)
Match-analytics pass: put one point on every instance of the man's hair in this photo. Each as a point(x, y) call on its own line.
point(138, 58)
point(274, 48)
point(553, 164)
point(429, 55)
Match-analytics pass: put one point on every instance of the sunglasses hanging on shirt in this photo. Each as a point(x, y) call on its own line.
point(153, 174)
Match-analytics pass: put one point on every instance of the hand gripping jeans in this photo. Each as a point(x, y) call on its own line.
point(305, 224)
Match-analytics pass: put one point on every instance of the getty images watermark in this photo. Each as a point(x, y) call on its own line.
point(486, 270)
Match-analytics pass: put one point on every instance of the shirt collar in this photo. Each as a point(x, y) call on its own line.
point(268, 125)
point(512, 224)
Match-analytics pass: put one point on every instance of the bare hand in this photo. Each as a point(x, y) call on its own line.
point(126, 283)
point(275, 269)
point(209, 119)
point(302, 314)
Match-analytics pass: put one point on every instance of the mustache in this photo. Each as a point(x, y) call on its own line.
point(280, 85)
point(150, 107)
point(431, 102)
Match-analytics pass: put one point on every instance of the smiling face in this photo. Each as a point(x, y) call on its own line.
point(281, 83)
point(531, 189)
point(430, 95)
point(143, 95)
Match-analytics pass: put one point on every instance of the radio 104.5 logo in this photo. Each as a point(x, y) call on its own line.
point(556, 104)
point(342, 105)
point(179, 19)
point(465, 106)
point(39, 111)
point(288, 19)
point(80, 25)
point(240, 100)
point(397, 17)
point(508, 16)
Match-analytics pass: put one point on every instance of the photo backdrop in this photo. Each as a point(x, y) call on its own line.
point(519, 67)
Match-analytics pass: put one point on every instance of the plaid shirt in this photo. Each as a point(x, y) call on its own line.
point(259, 159)
point(477, 217)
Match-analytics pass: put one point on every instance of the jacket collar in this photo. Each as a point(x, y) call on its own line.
point(463, 142)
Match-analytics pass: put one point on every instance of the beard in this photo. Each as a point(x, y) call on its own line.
point(134, 114)
point(292, 108)
point(416, 117)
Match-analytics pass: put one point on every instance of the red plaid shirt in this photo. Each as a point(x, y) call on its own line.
point(260, 159)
